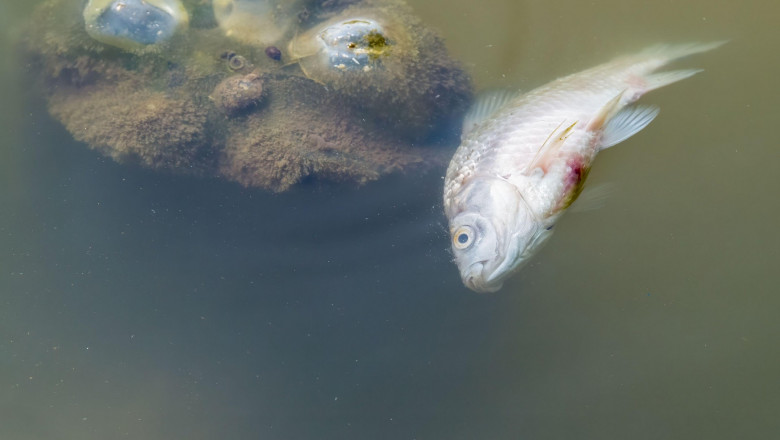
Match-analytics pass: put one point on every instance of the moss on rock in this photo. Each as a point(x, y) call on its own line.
point(185, 108)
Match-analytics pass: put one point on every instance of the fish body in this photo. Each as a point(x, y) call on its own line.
point(523, 159)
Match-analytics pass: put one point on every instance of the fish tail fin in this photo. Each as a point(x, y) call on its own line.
point(667, 53)
point(642, 76)
point(655, 57)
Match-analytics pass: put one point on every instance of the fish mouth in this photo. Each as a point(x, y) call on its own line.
point(475, 280)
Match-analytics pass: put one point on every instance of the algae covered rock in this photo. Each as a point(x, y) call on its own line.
point(336, 90)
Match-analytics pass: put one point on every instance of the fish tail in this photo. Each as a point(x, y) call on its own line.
point(667, 53)
point(645, 64)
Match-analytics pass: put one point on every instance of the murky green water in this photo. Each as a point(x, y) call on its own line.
point(149, 306)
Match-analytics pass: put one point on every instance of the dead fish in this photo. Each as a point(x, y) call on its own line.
point(524, 158)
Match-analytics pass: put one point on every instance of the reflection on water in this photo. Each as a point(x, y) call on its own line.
point(151, 306)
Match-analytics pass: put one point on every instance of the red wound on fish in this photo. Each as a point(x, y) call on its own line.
point(574, 182)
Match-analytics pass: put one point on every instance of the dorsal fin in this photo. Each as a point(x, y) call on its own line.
point(486, 105)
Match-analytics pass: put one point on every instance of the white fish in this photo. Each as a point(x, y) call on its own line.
point(523, 159)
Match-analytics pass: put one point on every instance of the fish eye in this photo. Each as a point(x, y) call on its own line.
point(463, 237)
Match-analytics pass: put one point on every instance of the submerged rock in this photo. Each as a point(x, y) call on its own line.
point(209, 103)
point(140, 125)
point(238, 93)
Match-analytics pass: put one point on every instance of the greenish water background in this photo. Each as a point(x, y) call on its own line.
point(149, 306)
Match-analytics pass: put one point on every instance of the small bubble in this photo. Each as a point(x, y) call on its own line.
point(236, 62)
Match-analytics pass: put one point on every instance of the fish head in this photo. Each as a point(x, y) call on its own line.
point(494, 233)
